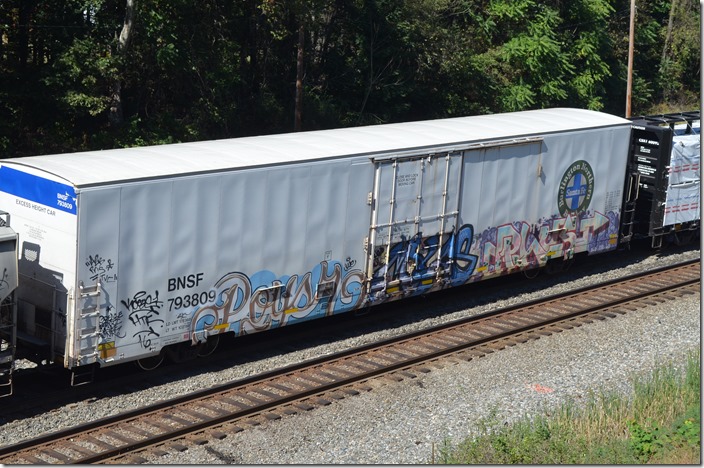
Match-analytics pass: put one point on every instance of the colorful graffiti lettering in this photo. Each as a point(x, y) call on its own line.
point(413, 263)
point(519, 245)
point(243, 304)
point(246, 304)
point(410, 266)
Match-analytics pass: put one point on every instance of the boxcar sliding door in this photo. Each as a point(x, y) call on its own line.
point(414, 216)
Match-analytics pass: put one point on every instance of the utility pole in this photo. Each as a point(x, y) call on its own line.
point(629, 81)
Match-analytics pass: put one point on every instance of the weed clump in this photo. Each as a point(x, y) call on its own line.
point(659, 423)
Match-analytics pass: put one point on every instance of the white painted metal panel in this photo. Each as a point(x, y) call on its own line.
point(244, 199)
point(43, 213)
point(415, 214)
point(285, 217)
point(145, 239)
point(241, 235)
point(329, 219)
point(683, 197)
point(129, 164)
point(96, 320)
point(194, 207)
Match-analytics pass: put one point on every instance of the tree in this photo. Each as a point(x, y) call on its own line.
point(679, 71)
point(89, 74)
point(123, 41)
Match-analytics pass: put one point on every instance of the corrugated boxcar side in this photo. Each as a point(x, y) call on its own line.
point(177, 259)
point(242, 251)
point(527, 203)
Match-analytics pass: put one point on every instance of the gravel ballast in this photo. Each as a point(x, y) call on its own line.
point(399, 423)
point(404, 422)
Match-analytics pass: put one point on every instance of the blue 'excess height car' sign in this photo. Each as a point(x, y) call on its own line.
point(49, 193)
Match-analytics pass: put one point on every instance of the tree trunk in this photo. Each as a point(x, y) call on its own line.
point(25, 12)
point(668, 34)
point(299, 80)
point(116, 116)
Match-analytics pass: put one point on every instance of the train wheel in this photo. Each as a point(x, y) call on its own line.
point(531, 273)
point(181, 352)
point(556, 266)
point(566, 264)
point(683, 237)
point(208, 348)
point(553, 267)
point(150, 363)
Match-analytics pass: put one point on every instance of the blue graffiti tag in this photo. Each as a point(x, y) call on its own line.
point(245, 304)
point(414, 263)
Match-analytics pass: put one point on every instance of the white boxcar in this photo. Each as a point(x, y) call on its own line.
point(125, 252)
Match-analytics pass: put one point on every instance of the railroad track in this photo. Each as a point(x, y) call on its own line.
point(213, 414)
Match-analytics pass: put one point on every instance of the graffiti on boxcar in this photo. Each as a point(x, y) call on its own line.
point(111, 325)
point(262, 301)
point(513, 246)
point(412, 262)
point(101, 268)
point(498, 250)
point(349, 263)
point(143, 311)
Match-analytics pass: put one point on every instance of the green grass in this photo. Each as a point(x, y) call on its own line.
point(659, 423)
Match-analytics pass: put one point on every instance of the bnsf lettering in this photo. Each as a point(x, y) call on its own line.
point(183, 282)
point(62, 201)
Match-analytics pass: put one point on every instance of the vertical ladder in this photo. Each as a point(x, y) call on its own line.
point(87, 332)
point(8, 343)
point(629, 207)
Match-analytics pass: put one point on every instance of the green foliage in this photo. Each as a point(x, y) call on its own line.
point(81, 77)
point(647, 442)
point(650, 442)
point(659, 423)
point(216, 69)
point(688, 429)
point(681, 51)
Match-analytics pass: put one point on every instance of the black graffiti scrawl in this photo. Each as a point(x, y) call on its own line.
point(101, 268)
point(143, 311)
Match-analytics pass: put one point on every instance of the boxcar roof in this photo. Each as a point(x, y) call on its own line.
point(150, 162)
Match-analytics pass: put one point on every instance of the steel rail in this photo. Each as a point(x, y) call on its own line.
point(433, 352)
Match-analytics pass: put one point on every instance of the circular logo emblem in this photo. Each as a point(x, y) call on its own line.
point(576, 188)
